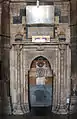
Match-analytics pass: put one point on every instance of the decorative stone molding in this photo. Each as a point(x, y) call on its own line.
point(23, 56)
point(39, 48)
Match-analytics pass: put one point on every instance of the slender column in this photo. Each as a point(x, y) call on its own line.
point(24, 83)
point(18, 109)
point(62, 108)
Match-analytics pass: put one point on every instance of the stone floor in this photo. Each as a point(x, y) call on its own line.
point(53, 116)
point(42, 114)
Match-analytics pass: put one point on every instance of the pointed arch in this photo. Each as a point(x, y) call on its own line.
point(40, 79)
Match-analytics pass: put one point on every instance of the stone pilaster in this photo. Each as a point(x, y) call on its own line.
point(20, 106)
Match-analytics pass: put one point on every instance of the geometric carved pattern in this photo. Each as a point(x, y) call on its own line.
point(40, 72)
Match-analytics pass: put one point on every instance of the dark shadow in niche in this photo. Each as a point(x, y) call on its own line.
point(23, 12)
point(17, 19)
point(58, 13)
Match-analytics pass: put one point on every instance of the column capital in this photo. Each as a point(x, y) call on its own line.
point(18, 47)
point(62, 46)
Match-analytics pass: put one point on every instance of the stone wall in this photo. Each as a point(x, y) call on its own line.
point(73, 27)
point(57, 56)
point(22, 53)
point(5, 40)
point(18, 20)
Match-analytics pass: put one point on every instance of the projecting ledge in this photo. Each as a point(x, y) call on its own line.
point(26, 42)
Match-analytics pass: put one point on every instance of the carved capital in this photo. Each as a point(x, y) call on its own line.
point(62, 46)
point(18, 47)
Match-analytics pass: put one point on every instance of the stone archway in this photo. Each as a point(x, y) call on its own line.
point(40, 83)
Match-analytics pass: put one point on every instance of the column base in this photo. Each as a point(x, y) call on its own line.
point(61, 109)
point(26, 108)
point(17, 110)
point(20, 109)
